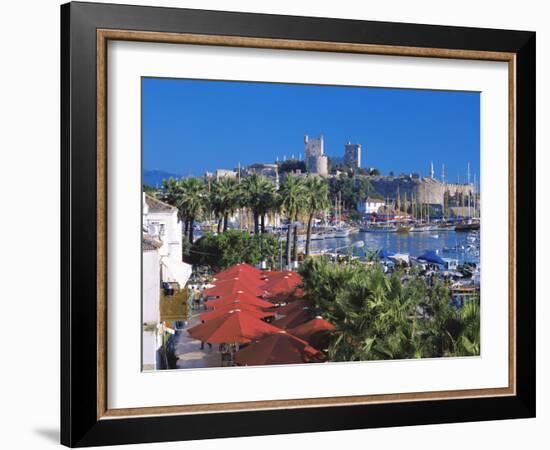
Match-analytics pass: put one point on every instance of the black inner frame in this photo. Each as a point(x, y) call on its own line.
point(79, 424)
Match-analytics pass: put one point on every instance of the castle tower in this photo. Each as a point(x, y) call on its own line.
point(352, 155)
point(314, 155)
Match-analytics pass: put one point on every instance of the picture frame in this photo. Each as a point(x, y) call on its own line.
point(86, 28)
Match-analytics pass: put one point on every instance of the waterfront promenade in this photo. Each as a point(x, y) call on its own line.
point(188, 350)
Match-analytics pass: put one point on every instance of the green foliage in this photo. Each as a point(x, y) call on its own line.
point(351, 189)
point(259, 194)
point(226, 196)
point(380, 317)
point(316, 194)
point(149, 189)
point(185, 248)
point(231, 247)
point(189, 196)
point(316, 201)
point(291, 165)
point(170, 191)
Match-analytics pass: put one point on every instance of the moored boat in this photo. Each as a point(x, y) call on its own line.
point(467, 226)
point(341, 233)
point(380, 229)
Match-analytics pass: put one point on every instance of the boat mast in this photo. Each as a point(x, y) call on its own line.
point(241, 210)
point(475, 212)
point(469, 209)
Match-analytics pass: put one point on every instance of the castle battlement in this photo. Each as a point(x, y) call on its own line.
point(424, 189)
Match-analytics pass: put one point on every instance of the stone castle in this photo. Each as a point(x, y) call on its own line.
point(316, 160)
point(426, 190)
point(413, 187)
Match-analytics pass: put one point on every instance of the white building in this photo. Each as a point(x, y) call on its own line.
point(152, 333)
point(161, 222)
point(162, 262)
point(222, 173)
point(370, 205)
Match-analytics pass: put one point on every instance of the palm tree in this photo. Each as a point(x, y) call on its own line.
point(291, 192)
point(269, 202)
point(171, 191)
point(226, 200)
point(219, 200)
point(258, 194)
point(468, 342)
point(270, 205)
point(380, 317)
point(192, 202)
point(316, 201)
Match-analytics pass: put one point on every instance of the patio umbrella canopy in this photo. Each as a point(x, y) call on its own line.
point(224, 309)
point(234, 327)
point(282, 285)
point(278, 348)
point(293, 319)
point(252, 280)
point(235, 300)
point(233, 286)
point(290, 307)
point(239, 269)
point(275, 275)
point(311, 328)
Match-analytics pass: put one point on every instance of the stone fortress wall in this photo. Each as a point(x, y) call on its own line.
point(426, 190)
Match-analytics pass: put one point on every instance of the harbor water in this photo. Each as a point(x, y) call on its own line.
point(463, 246)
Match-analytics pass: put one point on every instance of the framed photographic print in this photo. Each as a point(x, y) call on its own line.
point(277, 224)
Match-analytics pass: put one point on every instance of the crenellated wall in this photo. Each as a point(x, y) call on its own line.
point(426, 190)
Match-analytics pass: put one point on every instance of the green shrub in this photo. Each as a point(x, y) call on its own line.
point(232, 247)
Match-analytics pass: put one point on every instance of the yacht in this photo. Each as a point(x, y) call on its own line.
point(341, 233)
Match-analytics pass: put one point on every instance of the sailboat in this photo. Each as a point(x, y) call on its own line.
point(340, 231)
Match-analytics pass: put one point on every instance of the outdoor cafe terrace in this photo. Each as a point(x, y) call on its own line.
point(253, 317)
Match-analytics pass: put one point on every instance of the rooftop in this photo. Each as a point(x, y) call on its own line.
point(155, 205)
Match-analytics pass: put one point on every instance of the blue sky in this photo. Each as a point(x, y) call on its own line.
point(191, 126)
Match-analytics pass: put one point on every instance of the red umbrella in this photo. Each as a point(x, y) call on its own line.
point(311, 328)
point(275, 276)
point(231, 287)
point(234, 300)
point(251, 309)
point(284, 285)
point(278, 348)
point(253, 280)
point(233, 327)
point(239, 269)
point(290, 307)
point(293, 319)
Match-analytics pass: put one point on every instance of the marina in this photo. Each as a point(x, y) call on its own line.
point(311, 259)
point(463, 246)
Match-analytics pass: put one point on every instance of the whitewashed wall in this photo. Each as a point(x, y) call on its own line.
point(151, 286)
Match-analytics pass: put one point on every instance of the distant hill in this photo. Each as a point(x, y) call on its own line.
point(154, 177)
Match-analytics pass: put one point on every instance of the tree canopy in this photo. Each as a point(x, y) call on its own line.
point(380, 317)
point(226, 249)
